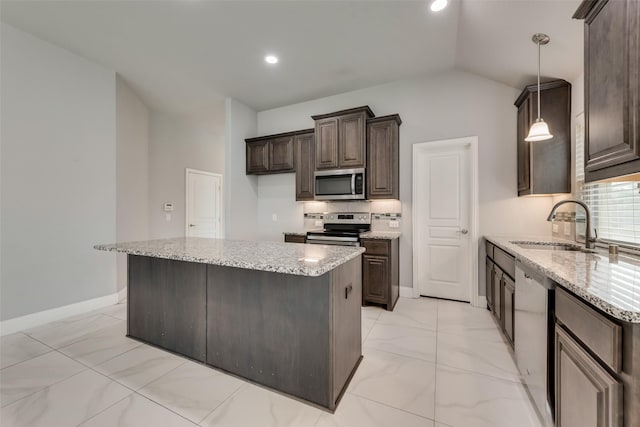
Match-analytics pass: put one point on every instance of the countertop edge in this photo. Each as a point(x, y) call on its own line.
point(597, 301)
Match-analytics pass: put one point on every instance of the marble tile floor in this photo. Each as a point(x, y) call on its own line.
point(430, 363)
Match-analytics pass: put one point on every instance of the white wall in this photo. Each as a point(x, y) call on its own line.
point(177, 142)
point(132, 171)
point(58, 183)
point(444, 106)
point(241, 190)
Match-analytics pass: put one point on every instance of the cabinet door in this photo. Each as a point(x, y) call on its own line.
point(257, 157)
point(497, 293)
point(375, 278)
point(586, 395)
point(305, 166)
point(612, 89)
point(508, 304)
point(524, 162)
point(327, 143)
point(351, 137)
point(489, 283)
point(382, 160)
point(281, 154)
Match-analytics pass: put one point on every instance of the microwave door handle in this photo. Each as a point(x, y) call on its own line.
point(353, 183)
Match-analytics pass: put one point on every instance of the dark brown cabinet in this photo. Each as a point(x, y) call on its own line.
point(341, 138)
point(544, 167)
point(305, 166)
point(383, 148)
point(611, 87)
point(274, 153)
point(501, 289)
point(489, 283)
point(281, 154)
point(508, 294)
point(295, 238)
point(258, 157)
point(380, 272)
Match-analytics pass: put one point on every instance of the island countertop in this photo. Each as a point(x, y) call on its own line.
point(277, 257)
point(611, 285)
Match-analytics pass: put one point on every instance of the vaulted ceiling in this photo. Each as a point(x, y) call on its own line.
point(182, 55)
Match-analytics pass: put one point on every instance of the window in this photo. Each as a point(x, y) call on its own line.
point(615, 206)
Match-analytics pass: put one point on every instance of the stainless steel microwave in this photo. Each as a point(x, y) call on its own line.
point(339, 184)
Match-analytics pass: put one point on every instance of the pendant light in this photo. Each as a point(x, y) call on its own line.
point(539, 130)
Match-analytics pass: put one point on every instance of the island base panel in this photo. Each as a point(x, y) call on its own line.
point(271, 328)
point(167, 304)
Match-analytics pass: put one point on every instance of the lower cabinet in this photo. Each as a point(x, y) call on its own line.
point(508, 302)
point(489, 283)
point(586, 394)
point(380, 272)
point(501, 288)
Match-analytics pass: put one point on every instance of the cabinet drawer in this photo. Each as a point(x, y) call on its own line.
point(376, 247)
point(505, 261)
point(599, 334)
point(489, 247)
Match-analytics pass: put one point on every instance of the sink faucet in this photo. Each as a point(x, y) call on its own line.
point(589, 243)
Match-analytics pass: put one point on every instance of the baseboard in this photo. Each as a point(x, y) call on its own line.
point(21, 323)
point(407, 292)
point(122, 294)
point(482, 302)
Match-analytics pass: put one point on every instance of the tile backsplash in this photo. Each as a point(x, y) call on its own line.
point(384, 213)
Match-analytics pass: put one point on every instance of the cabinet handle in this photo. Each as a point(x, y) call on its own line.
point(347, 291)
point(526, 276)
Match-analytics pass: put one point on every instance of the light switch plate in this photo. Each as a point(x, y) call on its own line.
point(318, 223)
point(567, 228)
point(554, 228)
point(394, 224)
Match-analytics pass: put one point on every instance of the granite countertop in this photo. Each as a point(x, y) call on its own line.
point(277, 257)
point(382, 235)
point(301, 232)
point(612, 285)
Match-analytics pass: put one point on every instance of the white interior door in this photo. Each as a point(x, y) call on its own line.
point(442, 220)
point(203, 204)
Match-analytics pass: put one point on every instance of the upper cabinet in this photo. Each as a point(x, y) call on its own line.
point(612, 87)
point(341, 138)
point(544, 167)
point(383, 157)
point(304, 148)
point(271, 154)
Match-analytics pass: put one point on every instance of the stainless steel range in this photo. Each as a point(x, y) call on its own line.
point(341, 228)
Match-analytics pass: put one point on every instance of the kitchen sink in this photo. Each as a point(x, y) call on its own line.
point(548, 246)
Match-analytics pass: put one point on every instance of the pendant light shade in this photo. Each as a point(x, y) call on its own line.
point(539, 129)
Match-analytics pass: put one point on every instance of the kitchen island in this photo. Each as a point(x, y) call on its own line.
point(286, 316)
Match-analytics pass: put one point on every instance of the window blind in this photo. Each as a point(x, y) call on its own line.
point(615, 206)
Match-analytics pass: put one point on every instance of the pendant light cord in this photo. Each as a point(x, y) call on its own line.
point(538, 80)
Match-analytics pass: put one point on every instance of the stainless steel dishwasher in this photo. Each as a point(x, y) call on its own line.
point(534, 348)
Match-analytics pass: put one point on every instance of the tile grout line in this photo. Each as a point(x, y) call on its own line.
point(391, 407)
point(244, 385)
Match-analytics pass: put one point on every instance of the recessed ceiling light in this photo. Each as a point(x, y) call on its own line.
point(438, 5)
point(271, 59)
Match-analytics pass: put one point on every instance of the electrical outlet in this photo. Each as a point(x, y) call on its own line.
point(318, 223)
point(167, 217)
point(554, 228)
point(394, 224)
point(567, 229)
point(274, 217)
